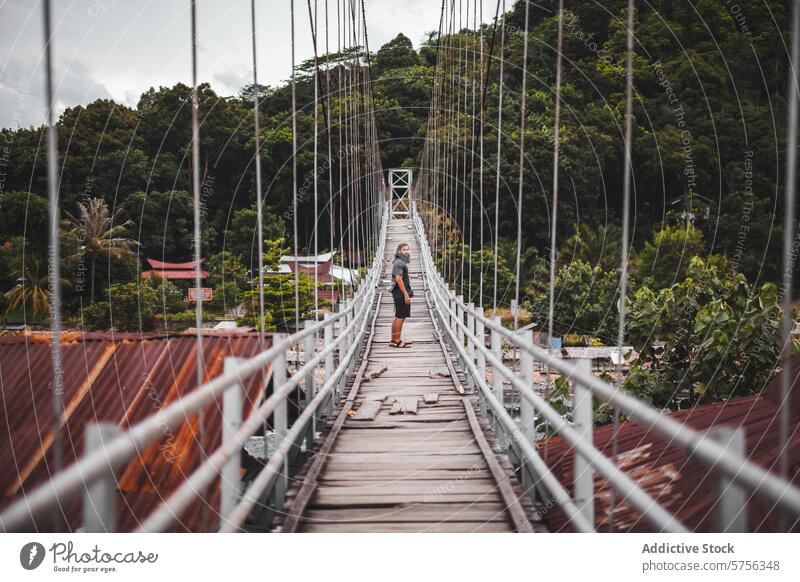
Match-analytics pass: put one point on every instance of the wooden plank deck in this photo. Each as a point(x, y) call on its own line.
point(432, 470)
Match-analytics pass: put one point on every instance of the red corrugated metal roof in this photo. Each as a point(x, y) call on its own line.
point(120, 379)
point(173, 274)
point(163, 265)
point(683, 486)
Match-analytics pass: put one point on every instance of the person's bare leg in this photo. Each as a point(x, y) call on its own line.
point(397, 325)
point(400, 329)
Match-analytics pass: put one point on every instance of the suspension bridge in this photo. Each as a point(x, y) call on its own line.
point(419, 439)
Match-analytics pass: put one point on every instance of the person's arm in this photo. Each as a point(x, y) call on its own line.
point(399, 280)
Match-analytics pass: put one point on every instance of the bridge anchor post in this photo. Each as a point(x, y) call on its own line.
point(582, 418)
point(99, 499)
point(730, 514)
point(280, 421)
point(230, 476)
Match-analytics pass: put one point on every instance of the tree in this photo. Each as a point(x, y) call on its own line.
point(597, 245)
point(128, 307)
point(240, 236)
point(706, 338)
point(95, 229)
point(229, 278)
point(279, 305)
point(24, 214)
point(665, 259)
point(161, 221)
point(32, 288)
point(585, 301)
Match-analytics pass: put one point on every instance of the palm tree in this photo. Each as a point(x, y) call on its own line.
point(31, 287)
point(95, 228)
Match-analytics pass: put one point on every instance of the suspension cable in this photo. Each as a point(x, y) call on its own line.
point(259, 201)
point(556, 156)
point(294, 182)
point(623, 277)
point(788, 241)
point(201, 430)
point(499, 151)
point(312, 19)
point(54, 272)
point(521, 158)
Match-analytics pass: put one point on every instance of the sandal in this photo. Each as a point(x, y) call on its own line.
point(402, 344)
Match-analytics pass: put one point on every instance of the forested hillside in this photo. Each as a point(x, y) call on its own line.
point(709, 137)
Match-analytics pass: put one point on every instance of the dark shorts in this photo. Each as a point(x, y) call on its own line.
point(401, 308)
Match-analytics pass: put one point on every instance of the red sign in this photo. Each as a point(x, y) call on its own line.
point(202, 293)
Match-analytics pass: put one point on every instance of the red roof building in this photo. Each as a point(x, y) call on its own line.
point(120, 379)
point(173, 270)
point(685, 487)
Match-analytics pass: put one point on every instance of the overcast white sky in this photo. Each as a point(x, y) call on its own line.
point(120, 48)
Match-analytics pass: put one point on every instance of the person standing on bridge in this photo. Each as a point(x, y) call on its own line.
point(401, 293)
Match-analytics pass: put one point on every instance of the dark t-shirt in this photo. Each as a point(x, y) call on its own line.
point(400, 268)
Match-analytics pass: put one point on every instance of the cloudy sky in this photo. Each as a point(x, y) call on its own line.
point(120, 48)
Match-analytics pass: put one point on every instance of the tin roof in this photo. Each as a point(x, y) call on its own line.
point(173, 274)
point(121, 379)
point(686, 488)
point(160, 265)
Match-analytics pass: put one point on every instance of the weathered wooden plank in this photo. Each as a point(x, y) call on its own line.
point(368, 410)
point(430, 512)
point(431, 397)
point(447, 527)
point(504, 487)
point(404, 405)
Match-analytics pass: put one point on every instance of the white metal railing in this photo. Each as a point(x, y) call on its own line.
point(722, 450)
point(94, 473)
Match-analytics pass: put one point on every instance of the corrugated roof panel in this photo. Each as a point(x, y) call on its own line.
point(686, 488)
point(113, 378)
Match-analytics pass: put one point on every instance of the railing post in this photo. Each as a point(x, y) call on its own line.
point(99, 499)
point(471, 329)
point(451, 303)
point(730, 515)
point(280, 420)
point(329, 366)
point(480, 332)
point(342, 351)
point(309, 350)
point(459, 320)
point(230, 476)
point(582, 419)
point(527, 413)
point(351, 333)
point(497, 377)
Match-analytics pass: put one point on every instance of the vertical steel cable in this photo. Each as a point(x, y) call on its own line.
point(54, 274)
point(198, 309)
point(259, 201)
point(521, 158)
point(556, 154)
point(328, 132)
point(480, 172)
point(340, 95)
point(472, 144)
point(626, 204)
point(462, 186)
point(313, 22)
point(499, 151)
point(788, 241)
point(294, 183)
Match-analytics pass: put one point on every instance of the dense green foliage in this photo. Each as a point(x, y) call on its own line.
point(707, 158)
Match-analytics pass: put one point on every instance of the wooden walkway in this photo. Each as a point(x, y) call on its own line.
point(405, 451)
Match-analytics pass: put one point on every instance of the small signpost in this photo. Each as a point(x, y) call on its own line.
point(201, 293)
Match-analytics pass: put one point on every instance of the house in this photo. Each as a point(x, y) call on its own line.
point(173, 271)
point(330, 276)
